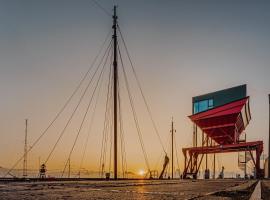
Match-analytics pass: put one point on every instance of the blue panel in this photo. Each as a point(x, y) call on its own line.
point(219, 98)
point(204, 105)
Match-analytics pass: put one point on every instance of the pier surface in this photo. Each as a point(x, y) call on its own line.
point(133, 189)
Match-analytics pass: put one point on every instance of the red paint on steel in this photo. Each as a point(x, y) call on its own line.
point(224, 124)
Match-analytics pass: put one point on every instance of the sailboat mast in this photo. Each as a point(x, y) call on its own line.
point(115, 80)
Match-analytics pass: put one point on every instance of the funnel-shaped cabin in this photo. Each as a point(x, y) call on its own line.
point(222, 117)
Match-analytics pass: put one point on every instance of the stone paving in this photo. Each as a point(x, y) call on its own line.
point(266, 189)
point(140, 189)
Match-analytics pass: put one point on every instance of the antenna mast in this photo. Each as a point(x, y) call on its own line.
point(172, 131)
point(25, 151)
point(115, 80)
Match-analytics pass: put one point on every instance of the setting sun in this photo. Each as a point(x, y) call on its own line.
point(141, 172)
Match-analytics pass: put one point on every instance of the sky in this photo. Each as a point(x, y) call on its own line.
point(180, 49)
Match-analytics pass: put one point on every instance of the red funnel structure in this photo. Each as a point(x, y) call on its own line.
point(223, 125)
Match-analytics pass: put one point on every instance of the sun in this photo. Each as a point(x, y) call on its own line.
point(141, 172)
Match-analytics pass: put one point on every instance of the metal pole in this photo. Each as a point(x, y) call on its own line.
point(38, 162)
point(69, 168)
point(115, 80)
point(172, 131)
point(206, 156)
point(214, 171)
point(269, 141)
point(25, 151)
point(196, 141)
point(245, 176)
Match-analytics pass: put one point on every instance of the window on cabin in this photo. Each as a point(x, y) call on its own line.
point(203, 105)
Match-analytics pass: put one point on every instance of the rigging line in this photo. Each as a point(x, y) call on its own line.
point(123, 148)
point(90, 127)
point(102, 8)
point(88, 135)
point(141, 91)
point(177, 160)
point(85, 114)
point(104, 156)
point(111, 122)
point(76, 108)
point(101, 161)
point(63, 107)
point(134, 113)
point(105, 126)
point(121, 125)
point(121, 133)
point(110, 154)
point(160, 160)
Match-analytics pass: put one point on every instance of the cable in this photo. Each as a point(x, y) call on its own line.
point(160, 160)
point(74, 111)
point(134, 113)
point(141, 91)
point(85, 114)
point(89, 131)
point(111, 122)
point(123, 151)
point(63, 107)
point(90, 127)
point(102, 8)
point(105, 124)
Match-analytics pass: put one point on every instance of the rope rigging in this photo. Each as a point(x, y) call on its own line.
point(122, 138)
point(134, 113)
point(91, 83)
point(106, 124)
point(89, 131)
point(63, 107)
point(102, 8)
point(86, 112)
point(141, 91)
point(76, 108)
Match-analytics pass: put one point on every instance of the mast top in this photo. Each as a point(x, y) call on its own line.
point(114, 12)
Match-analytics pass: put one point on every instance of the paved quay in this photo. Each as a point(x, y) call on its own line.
point(140, 189)
point(265, 186)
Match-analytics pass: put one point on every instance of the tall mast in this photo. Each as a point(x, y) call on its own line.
point(25, 151)
point(115, 80)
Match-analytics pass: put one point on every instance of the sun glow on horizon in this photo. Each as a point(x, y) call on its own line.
point(141, 172)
